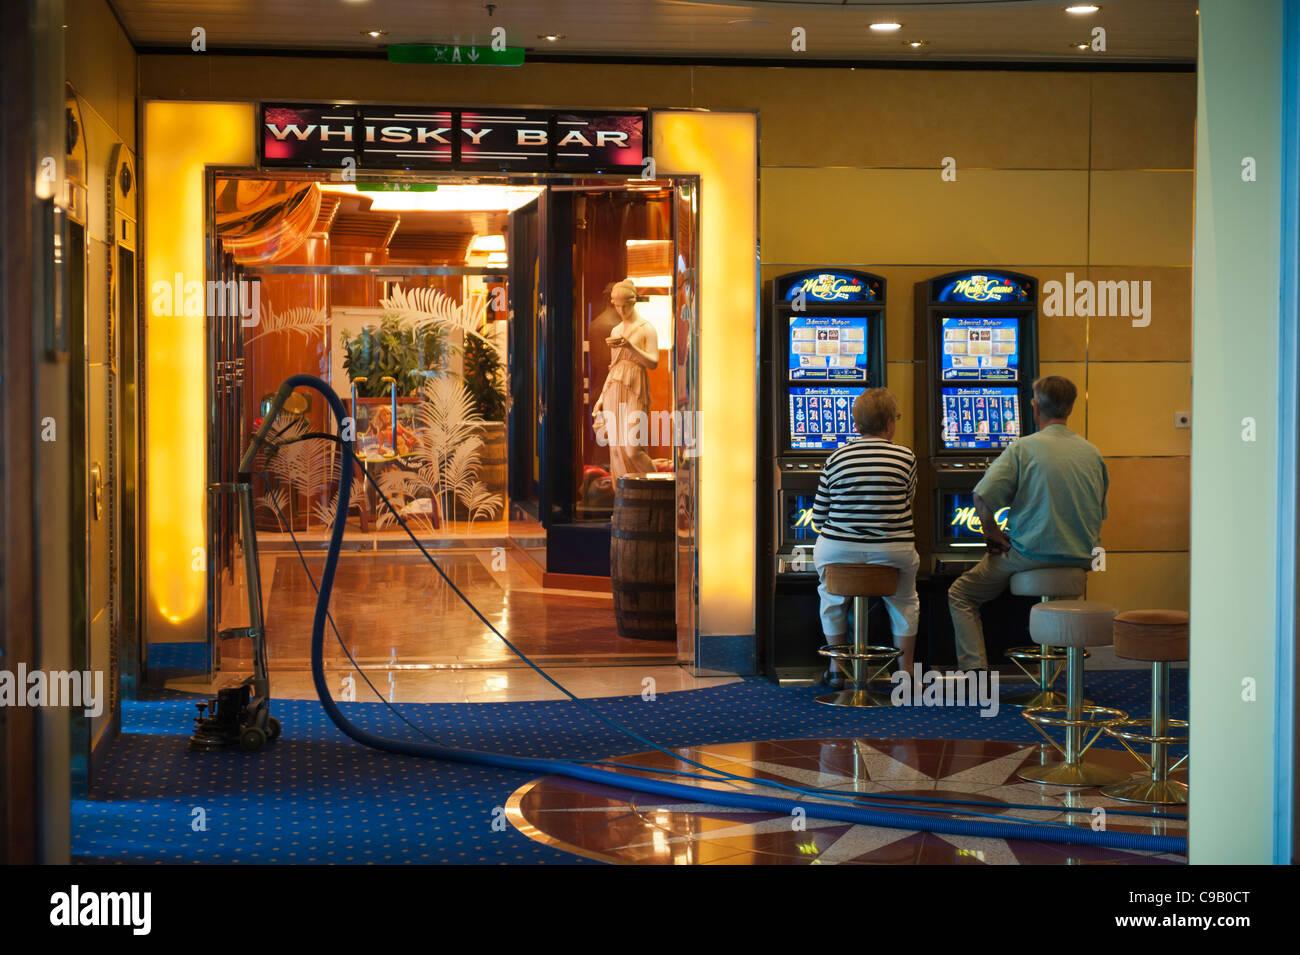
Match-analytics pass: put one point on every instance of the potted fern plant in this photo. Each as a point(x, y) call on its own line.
point(409, 355)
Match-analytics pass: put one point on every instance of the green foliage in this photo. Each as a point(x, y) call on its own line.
point(485, 379)
point(409, 354)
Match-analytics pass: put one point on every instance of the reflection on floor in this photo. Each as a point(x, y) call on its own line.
point(619, 826)
point(393, 609)
point(478, 684)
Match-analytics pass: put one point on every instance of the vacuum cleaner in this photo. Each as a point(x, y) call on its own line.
point(862, 808)
point(241, 715)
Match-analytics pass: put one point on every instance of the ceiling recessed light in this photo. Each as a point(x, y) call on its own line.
point(374, 33)
point(916, 44)
point(1082, 9)
point(550, 37)
point(749, 22)
point(886, 27)
point(1080, 46)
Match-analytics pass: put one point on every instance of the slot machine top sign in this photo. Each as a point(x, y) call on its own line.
point(840, 288)
point(996, 288)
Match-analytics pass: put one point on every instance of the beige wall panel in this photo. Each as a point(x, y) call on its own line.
point(1141, 582)
point(90, 51)
point(1143, 120)
point(908, 118)
point(1060, 337)
point(1149, 504)
point(96, 301)
point(1168, 337)
point(126, 85)
point(1077, 372)
point(541, 84)
point(899, 377)
point(1131, 407)
point(1141, 218)
point(911, 216)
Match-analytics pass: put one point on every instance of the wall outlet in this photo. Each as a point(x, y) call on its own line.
point(1182, 419)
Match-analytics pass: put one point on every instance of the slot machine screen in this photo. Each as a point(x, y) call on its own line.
point(828, 348)
point(980, 349)
point(979, 419)
point(820, 419)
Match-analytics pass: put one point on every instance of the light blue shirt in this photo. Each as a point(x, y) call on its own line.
point(1055, 483)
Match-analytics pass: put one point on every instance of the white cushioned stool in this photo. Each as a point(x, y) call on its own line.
point(1074, 625)
point(1045, 583)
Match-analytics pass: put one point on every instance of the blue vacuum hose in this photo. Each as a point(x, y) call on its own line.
point(885, 818)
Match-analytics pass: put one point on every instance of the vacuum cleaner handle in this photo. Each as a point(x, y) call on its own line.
point(281, 396)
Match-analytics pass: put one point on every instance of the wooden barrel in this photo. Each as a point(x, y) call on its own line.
point(641, 558)
point(492, 458)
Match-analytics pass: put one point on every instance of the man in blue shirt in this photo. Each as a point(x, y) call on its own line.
point(1055, 483)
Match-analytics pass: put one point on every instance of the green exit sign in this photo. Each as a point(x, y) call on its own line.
point(456, 55)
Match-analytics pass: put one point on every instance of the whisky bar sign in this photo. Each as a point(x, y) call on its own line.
point(407, 137)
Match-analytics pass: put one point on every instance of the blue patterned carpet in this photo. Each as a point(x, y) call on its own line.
point(315, 796)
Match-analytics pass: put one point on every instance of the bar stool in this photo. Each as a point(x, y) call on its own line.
point(861, 582)
point(1045, 583)
point(1160, 638)
point(1073, 624)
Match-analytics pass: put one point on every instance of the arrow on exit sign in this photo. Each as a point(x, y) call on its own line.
point(457, 55)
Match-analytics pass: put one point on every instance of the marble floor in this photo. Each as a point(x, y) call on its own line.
point(393, 610)
point(466, 684)
point(615, 825)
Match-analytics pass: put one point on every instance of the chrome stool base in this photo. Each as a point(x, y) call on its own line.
point(1157, 792)
point(1081, 773)
point(856, 698)
point(1074, 769)
point(1049, 699)
point(1155, 787)
point(1051, 661)
point(854, 661)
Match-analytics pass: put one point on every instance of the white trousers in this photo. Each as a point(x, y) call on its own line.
point(904, 606)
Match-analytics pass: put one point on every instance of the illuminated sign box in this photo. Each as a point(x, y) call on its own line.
point(991, 287)
point(434, 138)
point(832, 287)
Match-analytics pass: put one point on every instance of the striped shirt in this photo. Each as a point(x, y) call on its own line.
point(865, 492)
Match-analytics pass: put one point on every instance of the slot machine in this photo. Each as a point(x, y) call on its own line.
point(823, 345)
point(977, 333)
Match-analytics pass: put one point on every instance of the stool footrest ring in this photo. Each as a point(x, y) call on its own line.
point(846, 657)
point(847, 651)
point(1126, 736)
point(1038, 718)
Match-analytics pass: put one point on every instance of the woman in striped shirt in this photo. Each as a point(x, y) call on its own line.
point(863, 514)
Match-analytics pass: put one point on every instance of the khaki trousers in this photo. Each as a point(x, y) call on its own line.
point(982, 583)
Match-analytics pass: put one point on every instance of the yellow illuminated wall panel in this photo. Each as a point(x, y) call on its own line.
point(723, 149)
point(180, 140)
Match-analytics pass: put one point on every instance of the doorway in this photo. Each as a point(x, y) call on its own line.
point(454, 318)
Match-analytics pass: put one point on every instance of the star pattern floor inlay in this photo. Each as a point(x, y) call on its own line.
point(617, 825)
